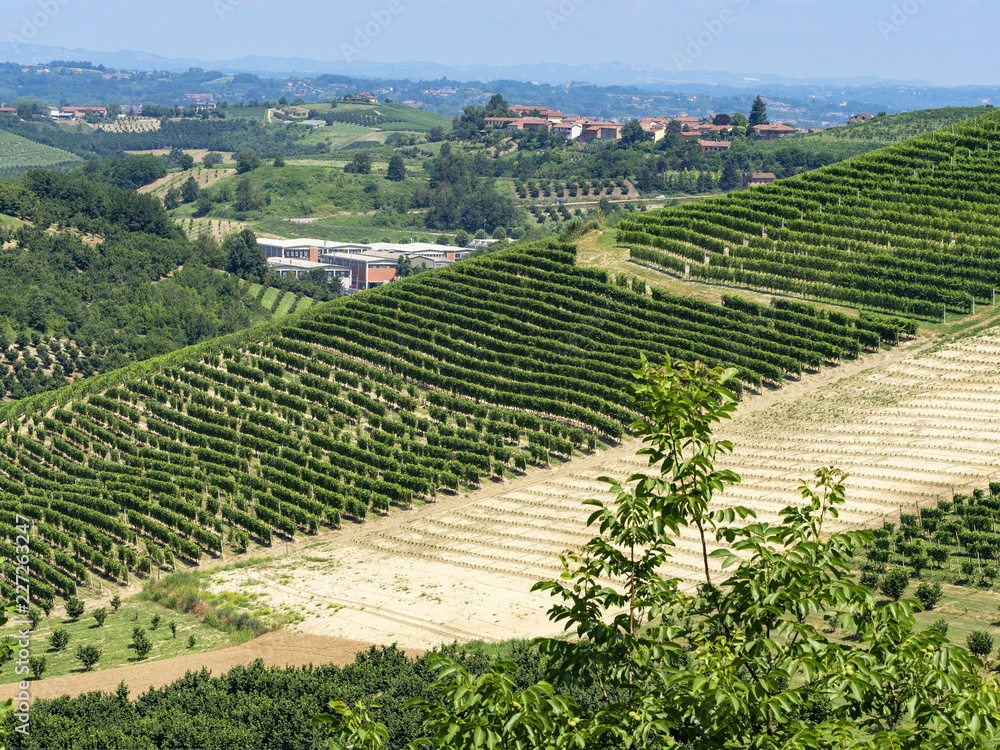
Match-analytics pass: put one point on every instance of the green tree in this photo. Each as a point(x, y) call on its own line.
point(116, 603)
point(633, 134)
point(155, 622)
point(436, 134)
point(189, 190)
point(173, 629)
point(731, 178)
point(59, 639)
point(172, 199)
point(212, 159)
point(279, 161)
point(247, 161)
point(462, 238)
point(894, 583)
point(74, 608)
point(100, 615)
point(404, 267)
point(928, 594)
point(360, 163)
point(397, 168)
point(38, 665)
point(980, 643)
point(244, 257)
point(141, 643)
point(88, 655)
point(186, 162)
point(758, 113)
point(737, 665)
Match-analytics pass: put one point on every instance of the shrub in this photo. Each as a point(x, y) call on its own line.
point(100, 615)
point(34, 617)
point(37, 665)
point(980, 643)
point(59, 639)
point(173, 628)
point(941, 626)
point(74, 608)
point(88, 656)
point(968, 568)
point(929, 594)
point(190, 641)
point(116, 602)
point(141, 643)
point(894, 583)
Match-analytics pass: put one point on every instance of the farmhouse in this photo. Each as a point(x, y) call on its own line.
point(569, 129)
point(534, 124)
point(772, 132)
point(861, 117)
point(81, 112)
point(602, 131)
point(366, 97)
point(714, 146)
point(759, 179)
point(552, 115)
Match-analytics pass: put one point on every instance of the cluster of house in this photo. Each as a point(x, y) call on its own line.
point(77, 113)
point(359, 266)
point(572, 128)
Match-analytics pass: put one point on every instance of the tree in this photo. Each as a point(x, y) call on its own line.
point(100, 615)
point(244, 257)
point(141, 643)
point(758, 113)
point(397, 168)
point(722, 120)
point(173, 629)
point(279, 161)
point(436, 134)
point(632, 134)
point(59, 639)
point(172, 199)
point(500, 233)
point(37, 664)
point(154, 622)
point(738, 120)
point(360, 163)
point(737, 665)
point(116, 603)
point(980, 643)
point(34, 616)
point(212, 159)
point(443, 240)
point(894, 583)
point(88, 656)
point(404, 267)
point(74, 608)
point(186, 162)
point(190, 641)
point(731, 176)
point(247, 161)
point(189, 190)
point(462, 238)
point(928, 594)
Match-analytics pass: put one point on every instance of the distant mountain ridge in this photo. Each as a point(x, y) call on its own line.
point(603, 74)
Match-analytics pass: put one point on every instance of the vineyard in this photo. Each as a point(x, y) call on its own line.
point(437, 382)
point(569, 189)
point(130, 125)
point(18, 155)
point(909, 229)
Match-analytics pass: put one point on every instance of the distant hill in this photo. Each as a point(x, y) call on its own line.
point(18, 155)
point(908, 229)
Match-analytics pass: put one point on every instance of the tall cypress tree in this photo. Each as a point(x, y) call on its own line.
point(758, 113)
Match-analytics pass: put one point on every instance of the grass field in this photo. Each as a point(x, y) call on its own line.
point(115, 637)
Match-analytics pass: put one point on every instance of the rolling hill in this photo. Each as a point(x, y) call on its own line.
point(430, 384)
point(18, 155)
point(908, 229)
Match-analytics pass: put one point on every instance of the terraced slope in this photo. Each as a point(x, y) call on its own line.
point(910, 229)
point(355, 406)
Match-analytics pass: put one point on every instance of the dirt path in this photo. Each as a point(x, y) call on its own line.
point(277, 649)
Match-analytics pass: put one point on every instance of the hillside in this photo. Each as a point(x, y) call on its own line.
point(434, 383)
point(18, 155)
point(909, 229)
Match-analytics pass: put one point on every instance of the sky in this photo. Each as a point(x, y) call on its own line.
point(941, 41)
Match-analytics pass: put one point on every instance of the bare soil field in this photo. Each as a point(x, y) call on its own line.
point(909, 425)
point(277, 649)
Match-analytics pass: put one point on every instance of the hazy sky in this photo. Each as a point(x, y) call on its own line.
point(943, 41)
